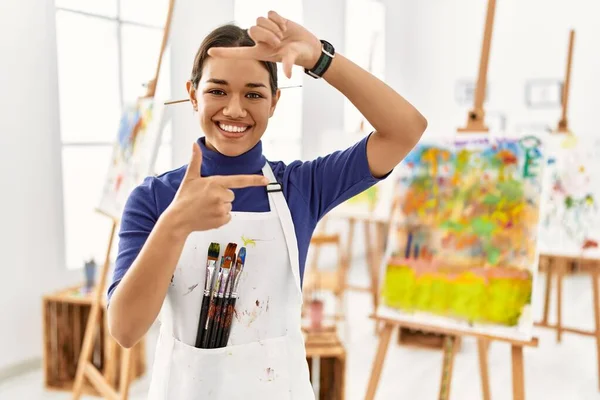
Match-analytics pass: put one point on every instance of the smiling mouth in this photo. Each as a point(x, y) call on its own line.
point(232, 131)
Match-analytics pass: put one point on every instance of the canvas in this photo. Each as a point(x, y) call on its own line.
point(134, 154)
point(571, 218)
point(374, 204)
point(462, 247)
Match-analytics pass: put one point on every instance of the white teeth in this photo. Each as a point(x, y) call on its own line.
point(231, 128)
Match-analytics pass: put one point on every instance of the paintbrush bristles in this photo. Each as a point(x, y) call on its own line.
point(213, 251)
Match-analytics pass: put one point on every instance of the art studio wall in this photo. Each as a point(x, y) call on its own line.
point(433, 46)
point(31, 237)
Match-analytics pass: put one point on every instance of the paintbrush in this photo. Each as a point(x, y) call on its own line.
point(217, 303)
point(241, 259)
point(224, 295)
point(226, 271)
point(214, 289)
point(211, 264)
point(227, 299)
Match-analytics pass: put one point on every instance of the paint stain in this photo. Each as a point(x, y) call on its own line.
point(237, 317)
point(257, 303)
point(267, 307)
point(270, 374)
point(190, 289)
point(249, 317)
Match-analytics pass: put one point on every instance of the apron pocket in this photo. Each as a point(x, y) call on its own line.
point(257, 370)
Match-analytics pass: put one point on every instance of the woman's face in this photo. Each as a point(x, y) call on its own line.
point(234, 103)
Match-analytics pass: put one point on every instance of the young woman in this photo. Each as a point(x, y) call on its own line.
point(223, 195)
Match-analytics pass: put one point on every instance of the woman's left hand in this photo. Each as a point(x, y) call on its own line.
point(279, 40)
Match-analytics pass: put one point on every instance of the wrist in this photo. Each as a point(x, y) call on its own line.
point(322, 60)
point(174, 222)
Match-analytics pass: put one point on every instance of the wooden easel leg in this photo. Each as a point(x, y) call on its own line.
point(86, 350)
point(482, 347)
point(125, 378)
point(349, 248)
point(92, 322)
point(596, 305)
point(380, 239)
point(447, 364)
point(384, 341)
point(549, 266)
point(560, 272)
point(518, 374)
point(370, 247)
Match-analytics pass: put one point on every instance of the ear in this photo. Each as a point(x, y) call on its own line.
point(274, 102)
point(192, 93)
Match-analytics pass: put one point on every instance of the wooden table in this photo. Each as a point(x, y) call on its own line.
point(65, 315)
point(324, 346)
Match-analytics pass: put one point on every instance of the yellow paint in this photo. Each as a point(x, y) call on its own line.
point(248, 242)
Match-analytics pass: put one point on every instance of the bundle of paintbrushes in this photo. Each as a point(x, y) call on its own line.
point(220, 294)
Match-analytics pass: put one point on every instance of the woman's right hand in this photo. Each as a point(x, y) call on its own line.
point(204, 203)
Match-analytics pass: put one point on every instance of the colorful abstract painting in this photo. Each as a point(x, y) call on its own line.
point(133, 156)
point(462, 249)
point(571, 214)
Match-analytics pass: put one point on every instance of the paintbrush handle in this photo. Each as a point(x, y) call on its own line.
point(202, 320)
point(209, 322)
point(228, 321)
point(222, 323)
point(215, 327)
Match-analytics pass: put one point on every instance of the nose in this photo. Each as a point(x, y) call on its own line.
point(234, 108)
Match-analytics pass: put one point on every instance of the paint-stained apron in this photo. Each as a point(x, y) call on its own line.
point(265, 357)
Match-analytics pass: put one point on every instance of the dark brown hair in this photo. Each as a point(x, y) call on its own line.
point(228, 36)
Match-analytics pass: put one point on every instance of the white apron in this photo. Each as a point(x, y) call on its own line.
point(265, 357)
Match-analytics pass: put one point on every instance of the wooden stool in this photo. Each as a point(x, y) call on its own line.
point(65, 315)
point(325, 347)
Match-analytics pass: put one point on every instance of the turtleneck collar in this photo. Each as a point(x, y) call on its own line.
point(215, 163)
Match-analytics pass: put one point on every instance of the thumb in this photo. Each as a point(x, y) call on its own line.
point(195, 165)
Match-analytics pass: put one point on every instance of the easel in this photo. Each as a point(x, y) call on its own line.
point(85, 369)
point(559, 265)
point(375, 250)
point(475, 124)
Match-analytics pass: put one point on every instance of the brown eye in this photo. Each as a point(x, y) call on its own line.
point(254, 95)
point(216, 92)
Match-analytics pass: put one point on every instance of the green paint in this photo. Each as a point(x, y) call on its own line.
point(491, 200)
point(482, 226)
point(453, 226)
point(569, 202)
point(532, 162)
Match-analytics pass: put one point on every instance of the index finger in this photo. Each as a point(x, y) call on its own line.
point(278, 19)
point(241, 181)
point(233, 52)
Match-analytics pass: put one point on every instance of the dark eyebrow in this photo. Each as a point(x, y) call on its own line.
point(224, 82)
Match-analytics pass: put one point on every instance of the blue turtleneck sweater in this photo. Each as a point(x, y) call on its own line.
point(310, 188)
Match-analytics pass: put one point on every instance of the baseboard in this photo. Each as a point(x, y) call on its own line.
point(21, 368)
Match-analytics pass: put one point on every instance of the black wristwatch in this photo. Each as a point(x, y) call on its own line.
point(327, 55)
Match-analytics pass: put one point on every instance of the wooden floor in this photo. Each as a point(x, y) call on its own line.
point(565, 371)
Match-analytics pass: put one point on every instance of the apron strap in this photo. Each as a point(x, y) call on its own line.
point(277, 199)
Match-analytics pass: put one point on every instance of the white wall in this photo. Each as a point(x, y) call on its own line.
point(31, 239)
point(192, 21)
point(433, 43)
point(322, 106)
